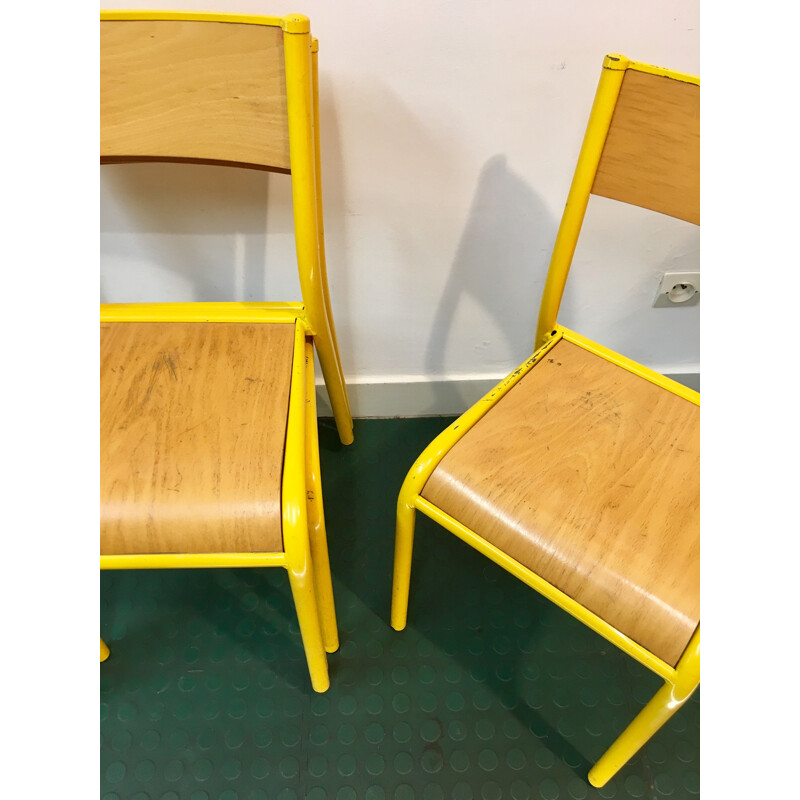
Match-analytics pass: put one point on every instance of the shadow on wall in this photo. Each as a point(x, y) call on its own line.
point(188, 232)
point(500, 265)
point(384, 174)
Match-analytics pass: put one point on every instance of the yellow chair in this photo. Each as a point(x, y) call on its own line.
point(209, 452)
point(579, 473)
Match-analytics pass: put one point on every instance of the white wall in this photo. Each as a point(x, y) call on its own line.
point(449, 133)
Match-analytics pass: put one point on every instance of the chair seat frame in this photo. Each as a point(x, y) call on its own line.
point(680, 681)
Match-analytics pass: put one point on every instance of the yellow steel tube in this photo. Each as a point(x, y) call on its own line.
point(538, 583)
point(632, 366)
point(302, 156)
point(616, 61)
point(578, 197)
point(295, 521)
point(661, 707)
point(403, 551)
point(323, 268)
point(192, 16)
point(201, 312)
point(192, 560)
point(316, 515)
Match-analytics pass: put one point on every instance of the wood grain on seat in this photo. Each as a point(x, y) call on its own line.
point(192, 432)
point(589, 475)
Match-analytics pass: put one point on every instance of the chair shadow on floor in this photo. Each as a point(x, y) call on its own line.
point(199, 611)
point(527, 675)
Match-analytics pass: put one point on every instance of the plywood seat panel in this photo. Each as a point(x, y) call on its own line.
point(589, 475)
point(193, 427)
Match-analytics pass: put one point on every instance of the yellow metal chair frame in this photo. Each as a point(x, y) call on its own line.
point(680, 680)
point(305, 555)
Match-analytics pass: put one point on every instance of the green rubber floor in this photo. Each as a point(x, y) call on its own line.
point(491, 691)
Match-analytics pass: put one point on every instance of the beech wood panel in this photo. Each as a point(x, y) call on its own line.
point(651, 157)
point(212, 91)
point(589, 476)
point(192, 434)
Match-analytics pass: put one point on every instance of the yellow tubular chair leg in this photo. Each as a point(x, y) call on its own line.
point(403, 550)
point(305, 601)
point(104, 651)
point(666, 701)
point(316, 516)
point(329, 361)
point(295, 521)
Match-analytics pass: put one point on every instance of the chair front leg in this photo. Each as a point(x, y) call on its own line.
point(666, 701)
point(305, 601)
point(316, 517)
point(403, 551)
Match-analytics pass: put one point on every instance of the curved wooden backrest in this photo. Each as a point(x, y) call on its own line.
point(197, 90)
point(651, 156)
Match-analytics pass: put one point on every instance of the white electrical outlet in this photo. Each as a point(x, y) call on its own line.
point(678, 289)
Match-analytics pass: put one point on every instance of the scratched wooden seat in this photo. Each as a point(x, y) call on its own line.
point(579, 473)
point(209, 453)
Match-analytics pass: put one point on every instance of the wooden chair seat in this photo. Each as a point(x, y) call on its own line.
point(193, 426)
point(589, 476)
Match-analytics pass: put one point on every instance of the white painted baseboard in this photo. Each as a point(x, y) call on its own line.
point(419, 397)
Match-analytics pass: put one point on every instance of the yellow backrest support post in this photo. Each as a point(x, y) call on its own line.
point(342, 401)
point(642, 147)
point(304, 156)
point(578, 198)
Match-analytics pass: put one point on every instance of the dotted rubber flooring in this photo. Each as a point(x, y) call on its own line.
point(491, 691)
